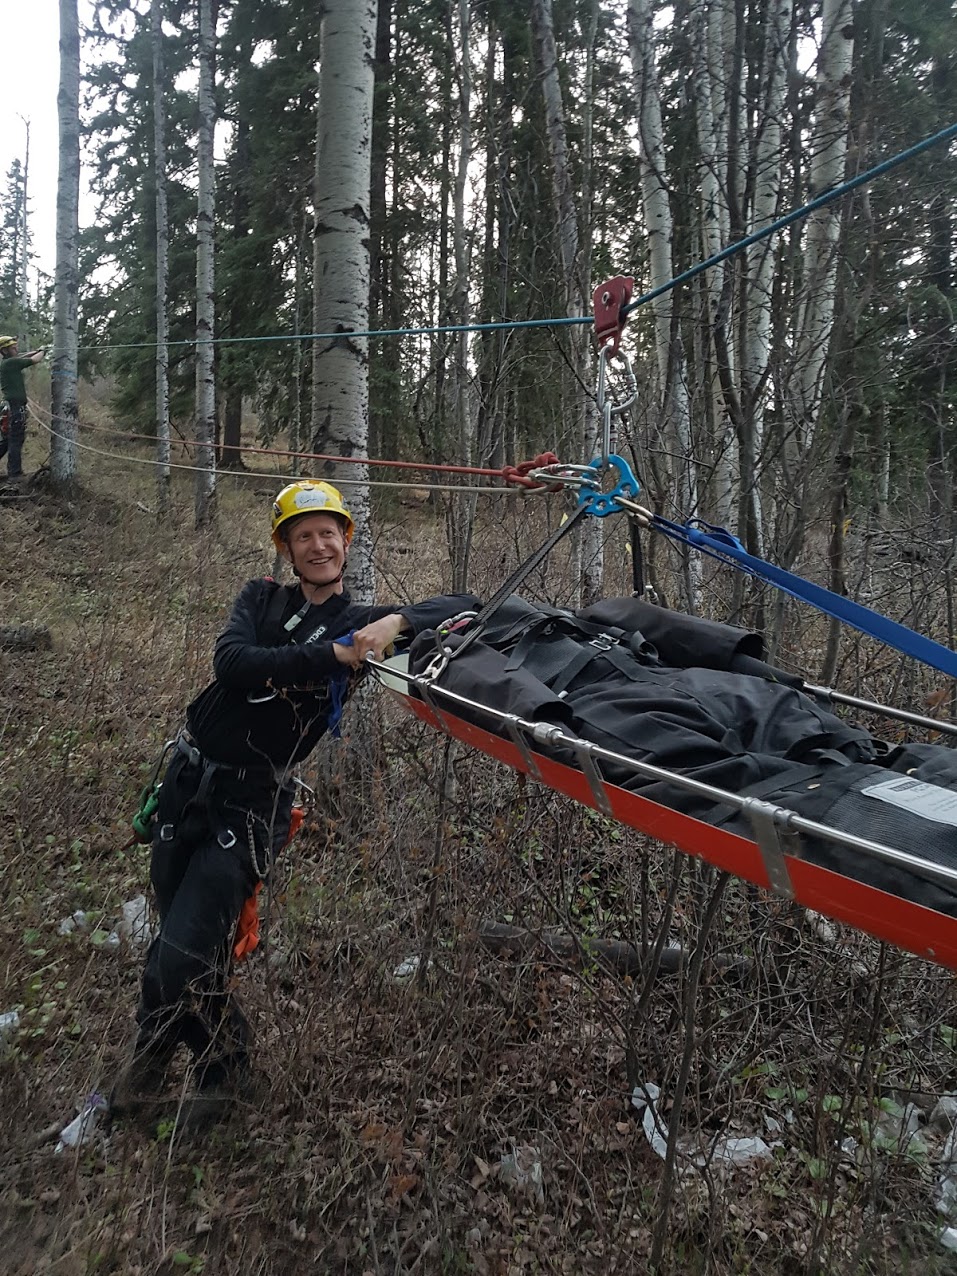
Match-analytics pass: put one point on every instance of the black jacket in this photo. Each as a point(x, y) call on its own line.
point(233, 722)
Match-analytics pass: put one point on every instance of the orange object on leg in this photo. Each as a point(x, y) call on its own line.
point(296, 817)
point(247, 928)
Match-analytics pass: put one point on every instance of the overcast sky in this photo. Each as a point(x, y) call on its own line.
point(31, 77)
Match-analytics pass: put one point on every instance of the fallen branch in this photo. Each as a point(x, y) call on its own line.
point(25, 638)
point(616, 955)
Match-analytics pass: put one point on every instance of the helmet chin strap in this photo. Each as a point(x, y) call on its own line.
point(342, 571)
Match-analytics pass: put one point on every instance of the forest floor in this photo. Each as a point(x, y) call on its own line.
point(475, 1116)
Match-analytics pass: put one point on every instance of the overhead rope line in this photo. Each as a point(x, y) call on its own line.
point(350, 334)
point(262, 474)
point(515, 474)
point(820, 201)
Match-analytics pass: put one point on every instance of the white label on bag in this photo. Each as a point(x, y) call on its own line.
point(929, 800)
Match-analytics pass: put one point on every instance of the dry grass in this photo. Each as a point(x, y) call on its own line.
point(383, 1107)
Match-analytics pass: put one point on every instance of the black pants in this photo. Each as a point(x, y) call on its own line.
point(13, 442)
point(212, 843)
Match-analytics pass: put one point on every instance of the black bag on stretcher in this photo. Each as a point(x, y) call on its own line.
point(696, 698)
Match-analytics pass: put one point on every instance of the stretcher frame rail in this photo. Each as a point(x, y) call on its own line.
point(776, 830)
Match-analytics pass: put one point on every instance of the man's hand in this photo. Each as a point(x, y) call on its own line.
point(346, 655)
point(375, 638)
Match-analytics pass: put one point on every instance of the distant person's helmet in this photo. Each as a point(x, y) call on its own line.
point(307, 497)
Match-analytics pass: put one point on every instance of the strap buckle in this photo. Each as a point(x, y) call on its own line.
point(603, 642)
point(189, 751)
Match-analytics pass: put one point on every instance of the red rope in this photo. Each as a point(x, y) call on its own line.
point(517, 474)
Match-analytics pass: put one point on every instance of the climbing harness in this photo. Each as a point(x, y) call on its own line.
point(142, 821)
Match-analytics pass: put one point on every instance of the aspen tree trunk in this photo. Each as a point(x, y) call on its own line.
point(239, 182)
point(490, 344)
point(721, 34)
point(162, 259)
point(462, 510)
point(340, 368)
point(543, 34)
point(295, 423)
point(23, 329)
point(440, 342)
point(711, 118)
point(205, 281)
point(64, 386)
point(382, 405)
point(761, 258)
point(658, 223)
point(573, 271)
point(829, 151)
point(592, 533)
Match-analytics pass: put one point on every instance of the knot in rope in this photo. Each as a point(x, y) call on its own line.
point(519, 474)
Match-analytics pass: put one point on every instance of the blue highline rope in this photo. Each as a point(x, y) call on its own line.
point(828, 197)
point(370, 332)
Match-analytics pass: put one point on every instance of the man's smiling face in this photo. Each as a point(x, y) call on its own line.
point(317, 548)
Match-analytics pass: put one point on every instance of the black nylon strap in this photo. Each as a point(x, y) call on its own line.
point(274, 633)
point(272, 622)
point(637, 560)
point(475, 629)
point(331, 609)
point(796, 774)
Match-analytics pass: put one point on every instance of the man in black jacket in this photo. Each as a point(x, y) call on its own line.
point(283, 666)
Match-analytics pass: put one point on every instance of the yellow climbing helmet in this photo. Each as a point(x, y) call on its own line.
point(308, 497)
point(5, 342)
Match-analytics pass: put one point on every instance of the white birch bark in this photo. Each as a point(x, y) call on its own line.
point(340, 368)
point(24, 326)
point(710, 98)
point(829, 152)
point(737, 116)
point(768, 176)
point(463, 507)
point(65, 408)
point(654, 190)
point(543, 33)
point(676, 409)
point(593, 532)
point(296, 421)
point(719, 53)
point(205, 279)
point(574, 271)
point(162, 258)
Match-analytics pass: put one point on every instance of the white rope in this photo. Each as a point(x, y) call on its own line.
point(35, 409)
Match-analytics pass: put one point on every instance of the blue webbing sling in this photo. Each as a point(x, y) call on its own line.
point(720, 544)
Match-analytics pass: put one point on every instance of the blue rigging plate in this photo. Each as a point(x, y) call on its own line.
point(604, 503)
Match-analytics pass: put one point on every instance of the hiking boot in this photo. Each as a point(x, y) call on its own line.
point(141, 1079)
point(205, 1108)
point(214, 1102)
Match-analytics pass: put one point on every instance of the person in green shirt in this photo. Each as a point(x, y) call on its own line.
point(12, 388)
